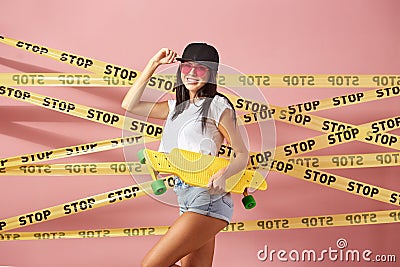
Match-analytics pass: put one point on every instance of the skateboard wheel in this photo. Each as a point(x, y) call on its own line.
point(158, 187)
point(248, 202)
point(141, 156)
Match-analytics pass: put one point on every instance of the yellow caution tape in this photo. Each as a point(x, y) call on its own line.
point(296, 148)
point(70, 151)
point(80, 205)
point(126, 168)
point(306, 174)
point(101, 168)
point(334, 181)
point(84, 112)
point(155, 131)
point(306, 222)
point(349, 161)
point(125, 75)
point(78, 61)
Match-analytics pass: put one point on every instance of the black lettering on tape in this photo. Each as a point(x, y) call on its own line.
point(76, 60)
point(395, 215)
point(145, 128)
point(120, 72)
point(298, 80)
point(281, 166)
point(139, 231)
point(126, 141)
point(123, 194)
point(388, 158)
point(347, 80)
point(303, 107)
point(256, 116)
point(2, 225)
point(387, 92)
point(81, 168)
point(347, 99)
point(234, 227)
point(380, 138)
point(362, 189)
point(332, 126)
point(49, 235)
point(273, 224)
point(386, 80)
point(260, 159)
point(7, 236)
point(14, 93)
point(349, 160)
point(362, 218)
point(299, 147)
point(126, 167)
point(319, 177)
point(339, 137)
point(81, 149)
point(226, 151)
point(395, 198)
point(317, 221)
point(245, 104)
point(57, 104)
point(36, 157)
point(79, 206)
point(296, 118)
point(102, 116)
point(36, 168)
point(386, 125)
point(34, 217)
point(32, 47)
point(257, 80)
point(73, 79)
point(307, 162)
point(94, 233)
point(30, 79)
point(3, 162)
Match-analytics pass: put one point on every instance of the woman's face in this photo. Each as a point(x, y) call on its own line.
point(194, 76)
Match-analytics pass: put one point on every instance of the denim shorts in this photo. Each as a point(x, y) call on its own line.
point(199, 200)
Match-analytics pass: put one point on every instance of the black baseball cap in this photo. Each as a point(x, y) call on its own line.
point(202, 53)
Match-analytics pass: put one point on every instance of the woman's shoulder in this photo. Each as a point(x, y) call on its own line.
point(171, 103)
point(221, 100)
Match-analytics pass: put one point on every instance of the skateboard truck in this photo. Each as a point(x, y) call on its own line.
point(248, 200)
point(158, 186)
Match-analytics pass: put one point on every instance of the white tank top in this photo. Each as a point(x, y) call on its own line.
point(185, 131)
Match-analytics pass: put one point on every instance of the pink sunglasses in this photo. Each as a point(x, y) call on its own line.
point(199, 70)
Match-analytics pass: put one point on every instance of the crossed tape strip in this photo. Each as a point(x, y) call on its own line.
point(80, 205)
point(282, 166)
point(84, 112)
point(307, 222)
point(260, 80)
point(121, 72)
point(126, 168)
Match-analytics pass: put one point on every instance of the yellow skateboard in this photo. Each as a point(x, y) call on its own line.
point(196, 169)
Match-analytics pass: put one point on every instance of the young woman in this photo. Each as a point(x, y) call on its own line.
point(199, 119)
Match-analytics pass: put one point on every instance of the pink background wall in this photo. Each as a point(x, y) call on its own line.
point(282, 37)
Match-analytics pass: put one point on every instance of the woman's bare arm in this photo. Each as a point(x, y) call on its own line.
point(132, 100)
point(238, 163)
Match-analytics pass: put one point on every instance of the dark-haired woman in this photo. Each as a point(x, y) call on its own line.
point(199, 120)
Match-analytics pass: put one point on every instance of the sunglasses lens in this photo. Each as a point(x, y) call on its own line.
point(186, 68)
point(199, 70)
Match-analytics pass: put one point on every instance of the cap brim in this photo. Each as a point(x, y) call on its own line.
point(181, 59)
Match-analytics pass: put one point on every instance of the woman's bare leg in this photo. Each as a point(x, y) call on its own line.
point(201, 257)
point(191, 232)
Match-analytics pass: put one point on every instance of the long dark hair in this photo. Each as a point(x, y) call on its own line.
point(208, 91)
